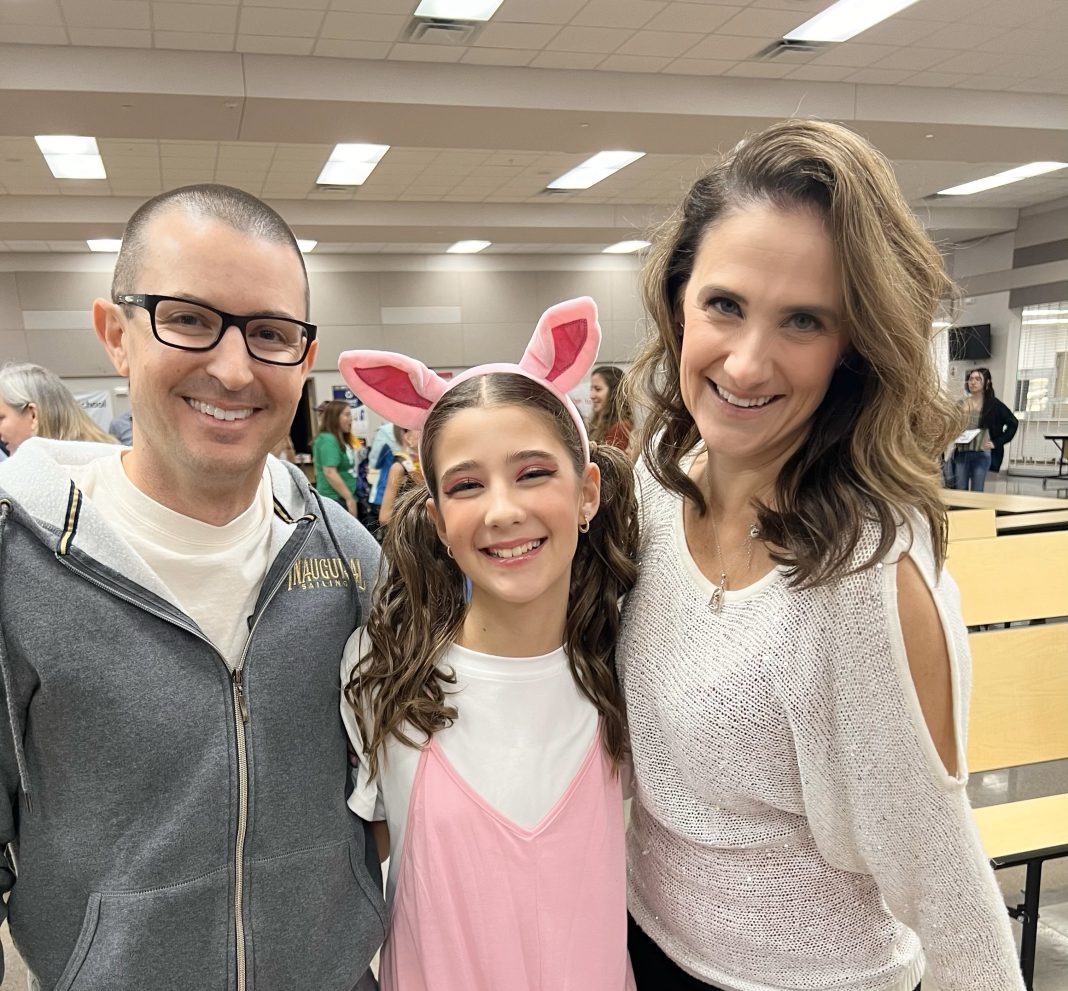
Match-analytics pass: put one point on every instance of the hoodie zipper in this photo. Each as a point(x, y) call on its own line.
point(241, 718)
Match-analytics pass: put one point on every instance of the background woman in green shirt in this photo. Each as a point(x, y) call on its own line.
point(334, 455)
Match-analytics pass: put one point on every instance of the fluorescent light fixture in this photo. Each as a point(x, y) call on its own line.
point(70, 156)
point(625, 247)
point(459, 10)
point(467, 247)
point(593, 170)
point(106, 244)
point(1003, 178)
point(306, 246)
point(351, 164)
point(845, 19)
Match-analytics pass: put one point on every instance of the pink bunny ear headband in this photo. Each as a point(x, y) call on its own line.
point(560, 353)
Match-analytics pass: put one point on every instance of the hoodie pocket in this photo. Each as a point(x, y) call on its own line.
point(317, 919)
point(169, 939)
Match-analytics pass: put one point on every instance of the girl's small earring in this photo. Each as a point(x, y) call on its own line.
point(584, 526)
point(448, 550)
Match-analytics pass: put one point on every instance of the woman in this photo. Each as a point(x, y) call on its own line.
point(334, 456)
point(611, 422)
point(996, 426)
point(35, 403)
point(793, 656)
point(403, 472)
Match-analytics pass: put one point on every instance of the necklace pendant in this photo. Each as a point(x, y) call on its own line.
point(716, 602)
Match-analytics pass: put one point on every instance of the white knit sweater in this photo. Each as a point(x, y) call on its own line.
point(794, 828)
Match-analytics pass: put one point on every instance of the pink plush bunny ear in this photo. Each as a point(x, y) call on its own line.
point(396, 387)
point(564, 345)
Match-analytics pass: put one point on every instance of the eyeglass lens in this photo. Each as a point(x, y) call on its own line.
point(190, 326)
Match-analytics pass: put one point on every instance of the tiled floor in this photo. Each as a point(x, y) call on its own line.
point(991, 788)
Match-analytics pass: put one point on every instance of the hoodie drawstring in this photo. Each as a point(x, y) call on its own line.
point(13, 717)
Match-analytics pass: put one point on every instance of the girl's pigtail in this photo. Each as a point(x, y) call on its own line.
point(417, 612)
point(605, 569)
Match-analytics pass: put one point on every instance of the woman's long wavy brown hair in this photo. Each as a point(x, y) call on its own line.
point(418, 610)
point(873, 447)
point(616, 408)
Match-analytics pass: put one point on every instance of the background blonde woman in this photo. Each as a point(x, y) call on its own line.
point(794, 659)
point(35, 403)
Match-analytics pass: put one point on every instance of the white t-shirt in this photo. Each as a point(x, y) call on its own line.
point(521, 733)
point(206, 568)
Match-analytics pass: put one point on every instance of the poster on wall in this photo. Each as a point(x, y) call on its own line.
point(97, 405)
point(359, 411)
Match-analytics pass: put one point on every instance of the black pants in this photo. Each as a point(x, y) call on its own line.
point(654, 970)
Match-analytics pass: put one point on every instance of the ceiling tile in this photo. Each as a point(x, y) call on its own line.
point(617, 13)
point(291, 4)
point(194, 41)
point(720, 46)
point(498, 56)
point(529, 36)
point(947, 11)
point(768, 24)
point(539, 11)
point(337, 48)
point(260, 45)
point(634, 63)
point(760, 70)
point(821, 73)
point(935, 79)
point(1022, 41)
point(988, 82)
point(879, 77)
point(969, 63)
point(362, 27)
point(426, 53)
point(370, 6)
point(853, 54)
point(277, 22)
point(110, 37)
point(204, 17)
point(127, 14)
point(700, 67)
point(590, 39)
point(962, 37)
point(896, 31)
point(669, 43)
point(567, 60)
point(914, 59)
point(692, 18)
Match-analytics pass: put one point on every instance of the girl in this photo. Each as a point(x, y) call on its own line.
point(996, 426)
point(403, 473)
point(491, 730)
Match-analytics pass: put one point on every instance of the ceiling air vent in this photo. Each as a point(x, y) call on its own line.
point(441, 31)
point(784, 48)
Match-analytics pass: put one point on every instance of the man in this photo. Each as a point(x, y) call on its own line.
point(121, 428)
point(172, 619)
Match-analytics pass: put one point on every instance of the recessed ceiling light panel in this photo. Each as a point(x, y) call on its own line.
point(1003, 178)
point(71, 156)
point(108, 245)
point(306, 246)
point(595, 169)
point(625, 248)
point(467, 247)
point(351, 164)
point(846, 19)
point(458, 10)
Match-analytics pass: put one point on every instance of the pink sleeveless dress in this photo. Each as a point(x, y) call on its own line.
point(483, 904)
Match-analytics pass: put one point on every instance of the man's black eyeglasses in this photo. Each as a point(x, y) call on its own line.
point(191, 326)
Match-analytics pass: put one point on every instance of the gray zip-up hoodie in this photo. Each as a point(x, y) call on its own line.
point(171, 825)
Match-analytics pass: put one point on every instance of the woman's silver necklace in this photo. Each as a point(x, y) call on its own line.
point(715, 603)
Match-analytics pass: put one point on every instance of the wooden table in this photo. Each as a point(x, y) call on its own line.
point(1001, 503)
point(1061, 442)
point(1032, 522)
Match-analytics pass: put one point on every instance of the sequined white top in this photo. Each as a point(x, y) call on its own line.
point(794, 828)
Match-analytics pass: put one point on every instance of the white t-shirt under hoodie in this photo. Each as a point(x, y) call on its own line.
point(794, 828)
